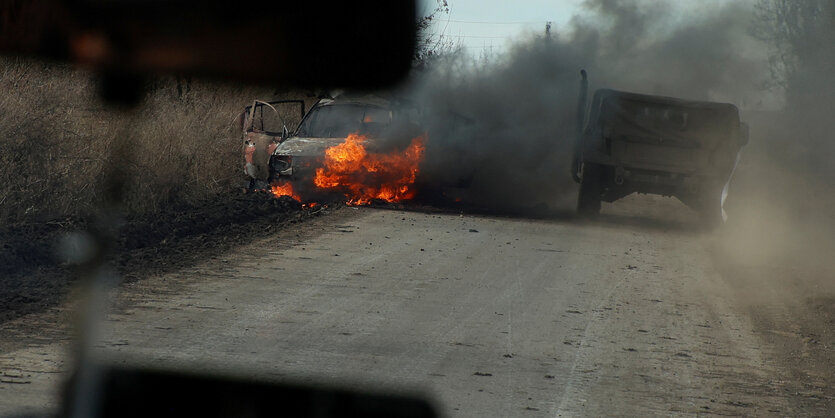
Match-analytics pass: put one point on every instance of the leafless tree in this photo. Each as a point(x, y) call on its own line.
point(431, 43)
point(801, 34)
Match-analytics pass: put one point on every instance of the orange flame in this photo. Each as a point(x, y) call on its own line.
point(365, 176)
point(285, 189)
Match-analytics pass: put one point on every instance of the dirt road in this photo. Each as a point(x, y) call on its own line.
point(635, 314)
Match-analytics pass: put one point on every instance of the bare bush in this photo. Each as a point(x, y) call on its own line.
point(57, 140)
point(800, 34)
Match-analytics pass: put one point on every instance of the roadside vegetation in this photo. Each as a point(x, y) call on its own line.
point(57, 141)
point(178, 154)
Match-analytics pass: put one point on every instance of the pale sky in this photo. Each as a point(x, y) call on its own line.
point(484, 24)
point(480, 24)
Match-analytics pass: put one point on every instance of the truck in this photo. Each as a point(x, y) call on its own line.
point(637, 143)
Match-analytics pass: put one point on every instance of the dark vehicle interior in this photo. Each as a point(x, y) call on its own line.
point(340, 120)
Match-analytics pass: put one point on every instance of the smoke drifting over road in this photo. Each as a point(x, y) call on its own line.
point(510, 119)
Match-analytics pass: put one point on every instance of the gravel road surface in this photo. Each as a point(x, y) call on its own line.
point(485, 315)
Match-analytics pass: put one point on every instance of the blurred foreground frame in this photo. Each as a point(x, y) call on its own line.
point(137, 392)
point(365, 44)
point(318, 44)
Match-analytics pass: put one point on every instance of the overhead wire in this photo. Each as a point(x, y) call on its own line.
point(482, 22)
point(480, 37)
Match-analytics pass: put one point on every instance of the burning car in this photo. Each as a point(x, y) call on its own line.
point(360, 147)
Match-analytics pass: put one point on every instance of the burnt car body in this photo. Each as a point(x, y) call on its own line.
point(327, 123)
point(264, 126)
point(637, 143)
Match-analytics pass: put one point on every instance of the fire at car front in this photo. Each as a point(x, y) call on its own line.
point(353, 149)
point(293, 167)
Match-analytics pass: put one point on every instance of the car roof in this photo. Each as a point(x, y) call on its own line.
point(363, 100)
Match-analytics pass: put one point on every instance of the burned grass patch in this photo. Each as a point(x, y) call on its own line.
point(34, 278)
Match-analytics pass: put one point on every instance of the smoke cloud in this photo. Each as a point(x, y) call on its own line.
point(509, 120)
point(504, 125)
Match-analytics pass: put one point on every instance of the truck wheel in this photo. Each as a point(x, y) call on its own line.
point(591, 187)
point(710, 209)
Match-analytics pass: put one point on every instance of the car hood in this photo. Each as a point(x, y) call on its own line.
point(307, 147)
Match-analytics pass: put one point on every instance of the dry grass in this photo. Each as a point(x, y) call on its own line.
point(57, 141)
